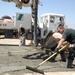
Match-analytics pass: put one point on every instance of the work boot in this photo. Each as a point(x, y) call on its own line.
point(63, 57)
point(69, 64)
point(62, 60)
point(53, 59)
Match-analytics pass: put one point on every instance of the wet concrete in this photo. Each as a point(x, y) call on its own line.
point(10, 68)
point(15, 64)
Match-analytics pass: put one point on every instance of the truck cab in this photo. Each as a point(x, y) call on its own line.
point(49, 22)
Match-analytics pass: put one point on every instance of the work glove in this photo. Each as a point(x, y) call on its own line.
point(56, 50)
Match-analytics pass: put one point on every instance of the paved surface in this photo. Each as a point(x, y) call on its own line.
point(12, 42)
point(14, 58)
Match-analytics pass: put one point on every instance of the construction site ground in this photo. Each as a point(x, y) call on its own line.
point(14, 58)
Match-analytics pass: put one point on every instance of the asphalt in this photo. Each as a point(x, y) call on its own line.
point(15, 58)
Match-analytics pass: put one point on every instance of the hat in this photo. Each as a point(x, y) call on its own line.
point(57, 35)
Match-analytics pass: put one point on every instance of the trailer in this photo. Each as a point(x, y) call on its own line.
point(11, 28)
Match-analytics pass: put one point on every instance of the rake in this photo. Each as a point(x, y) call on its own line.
point(35, 69)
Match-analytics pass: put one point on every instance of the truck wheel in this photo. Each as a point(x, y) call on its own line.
point(8, 34)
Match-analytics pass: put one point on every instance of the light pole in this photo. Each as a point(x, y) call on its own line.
point(35, 23)
point(34, 16)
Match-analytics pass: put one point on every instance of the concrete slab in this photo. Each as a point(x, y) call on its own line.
point(49, 73)
point(9, 41)
point(60, 73)
point(19, 62)
point(13, 42)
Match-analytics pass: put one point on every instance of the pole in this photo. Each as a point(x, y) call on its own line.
point(35, 23)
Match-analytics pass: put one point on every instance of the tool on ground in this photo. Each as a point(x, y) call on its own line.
point(40, 71)
point(21, 51)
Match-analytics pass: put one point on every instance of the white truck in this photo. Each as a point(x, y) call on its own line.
point(49, 22)
point(8, 29)
point(48, 25)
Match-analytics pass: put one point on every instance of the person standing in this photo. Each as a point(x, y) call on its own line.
point(38, 35)
point(21, 33)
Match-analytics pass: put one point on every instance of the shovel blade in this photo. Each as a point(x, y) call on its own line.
point(35, 69)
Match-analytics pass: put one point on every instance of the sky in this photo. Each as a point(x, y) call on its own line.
point(66, 7)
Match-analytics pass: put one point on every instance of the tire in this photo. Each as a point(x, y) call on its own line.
point(8, 34)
